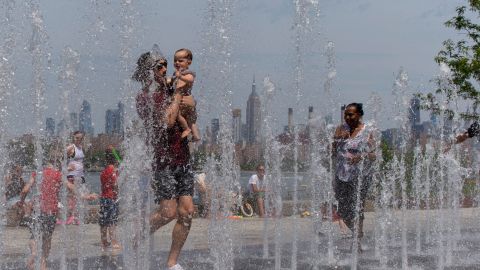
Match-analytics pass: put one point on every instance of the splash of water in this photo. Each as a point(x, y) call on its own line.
point(7, 71)
point(39, 62)
point(323, 155)
point(224, 176)
point(68, 83)
point(133, 182)
point(450, 172)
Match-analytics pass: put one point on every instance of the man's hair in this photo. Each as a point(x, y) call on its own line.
point(259, 165)
point(358, 107)
point(146, 62)
point(189, 53)
point(143, 66)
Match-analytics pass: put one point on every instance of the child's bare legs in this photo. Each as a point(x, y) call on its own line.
point(103, 237)
point(180, 119)
point(46, 246)
point(33, 254)
point(113, 237)
point(45, 251)
point(195, 132)
point(71, 207)
point(183, 123)
point(109, 232)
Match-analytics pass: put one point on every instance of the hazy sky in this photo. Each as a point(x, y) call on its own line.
point(373, 39)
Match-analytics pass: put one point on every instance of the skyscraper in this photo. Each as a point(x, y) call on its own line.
point(414, 113)
point(85, 118)
point(310, 113)
point(290, 120)
point(254, 116)
point(310, 118)
point(244, 131)
point(50, 127)
point(109, 119)
point(114, 120)
point(61, 127)
point(120, 118)
point(237, 125)
point(73, 121)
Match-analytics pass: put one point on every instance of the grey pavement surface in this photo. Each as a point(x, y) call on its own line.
point(208, 242)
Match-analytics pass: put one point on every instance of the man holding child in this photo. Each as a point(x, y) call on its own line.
point(173, 179)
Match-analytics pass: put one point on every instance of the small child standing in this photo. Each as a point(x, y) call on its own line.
point(108, 201)
point(183, 83)
point(45, 222)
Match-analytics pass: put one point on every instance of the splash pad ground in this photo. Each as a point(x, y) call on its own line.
point(247, 238)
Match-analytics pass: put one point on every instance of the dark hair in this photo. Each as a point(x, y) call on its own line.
point(358, 107)
point(189, 53)
point(259, 165)
point(143, 66)
point(145, 63)
point(109, 156)
point(76, 132)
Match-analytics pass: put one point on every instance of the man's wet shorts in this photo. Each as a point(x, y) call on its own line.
point(173, 182)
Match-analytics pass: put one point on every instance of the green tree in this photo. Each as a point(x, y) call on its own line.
point(462, 57)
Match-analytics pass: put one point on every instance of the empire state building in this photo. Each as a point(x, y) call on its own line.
point(254, 116)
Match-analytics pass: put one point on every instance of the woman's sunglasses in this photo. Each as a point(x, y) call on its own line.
point(160, 65)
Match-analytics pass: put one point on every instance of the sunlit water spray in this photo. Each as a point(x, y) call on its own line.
point(68, 83)
point(7, 71)
point(269, 156)
point(305, 15)
point(39, 58)
point(450, 173)
point(273, 174)
point(332, 106)
point(429, 175)
point(223, 176)
point(133, 184)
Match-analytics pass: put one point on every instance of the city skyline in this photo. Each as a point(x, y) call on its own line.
point(82, 121)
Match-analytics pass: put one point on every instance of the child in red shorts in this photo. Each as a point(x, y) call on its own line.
point(108, 201)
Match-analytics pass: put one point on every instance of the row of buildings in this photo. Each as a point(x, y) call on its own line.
point(248, 132)
point(247, 136)
point(114, 121)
